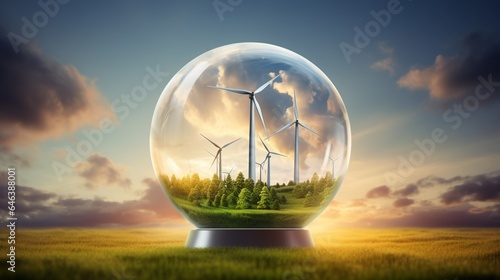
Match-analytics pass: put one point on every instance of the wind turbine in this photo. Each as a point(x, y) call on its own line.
point(261, 165)
point(297, 124)
point(268, 158)
point(333, 165)
point(228, 172)
point(219, 153)
point(251, 134)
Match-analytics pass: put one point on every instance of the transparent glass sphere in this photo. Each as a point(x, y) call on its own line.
point(250, 135)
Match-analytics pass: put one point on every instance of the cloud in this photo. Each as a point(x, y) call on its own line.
point(403, 202)
point(37, 208)
point(382, 191)
point(100, 170)
point(432, 180)
point(388, 63)
point(409, 190)
point(224, 116)
point(458, 217)
point(42, 98)
point(458, 201)
point(358, 203)
point(476, 188)
point(454, 77)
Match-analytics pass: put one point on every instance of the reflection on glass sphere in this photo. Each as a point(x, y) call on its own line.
point(250, 135)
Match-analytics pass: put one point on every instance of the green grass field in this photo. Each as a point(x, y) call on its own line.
point(339, 254)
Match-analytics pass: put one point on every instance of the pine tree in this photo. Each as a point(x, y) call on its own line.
point(232, 199)
point(217, 199)
point(274, 195)
point(223, 201)
point(308, 202)
point(276, 205)
point(195, 179)
point(213, 189)
point(283, 199)
point(239, 183)
point(265, 199)
point(195, 193)
point(229, 183)
point(244, 199)
point(249, 184)
point(256, 192)
point(313, 199)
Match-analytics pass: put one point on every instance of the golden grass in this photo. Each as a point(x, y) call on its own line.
point(339, 254)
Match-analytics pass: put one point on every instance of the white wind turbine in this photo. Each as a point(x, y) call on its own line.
point(251, 135)
point(297, 124)
point(268, 158)
point(261, 165)
point(333, 165)
point(219, 153)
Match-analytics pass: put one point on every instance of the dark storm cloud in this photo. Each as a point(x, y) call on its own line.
point(403, 202)
point(382, 191)
point(44, 209)
point(476, 188)
point(409, 190)
point(454, 77)
point(100, 170)
point(42, 98)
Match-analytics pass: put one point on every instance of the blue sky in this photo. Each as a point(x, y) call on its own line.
point(112, 43)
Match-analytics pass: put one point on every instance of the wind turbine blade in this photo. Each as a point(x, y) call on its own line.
point(281, 129)
point(209, 153)
point(262, 87)
point(257, 106)
point(264, 161)
point(232, 168)
point(264, 145)
point(216, 155)
point(295, 105)
point(235, 90)
point(278, 154)
point(210, 141)
point(230, 143)
point(333, 159)
point(308, 128)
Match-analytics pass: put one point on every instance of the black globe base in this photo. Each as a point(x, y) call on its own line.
point(215, 237)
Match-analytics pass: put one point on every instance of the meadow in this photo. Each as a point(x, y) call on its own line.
point(339, 254)
point(241, 203)
point(291, 214)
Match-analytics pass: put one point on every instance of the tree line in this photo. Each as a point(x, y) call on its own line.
point(243, 193)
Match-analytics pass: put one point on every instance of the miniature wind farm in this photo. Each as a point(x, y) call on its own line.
point(204, 113)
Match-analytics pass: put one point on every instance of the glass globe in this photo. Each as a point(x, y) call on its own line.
point(250, 135)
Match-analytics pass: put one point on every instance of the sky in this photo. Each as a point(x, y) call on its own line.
point(420, 80)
